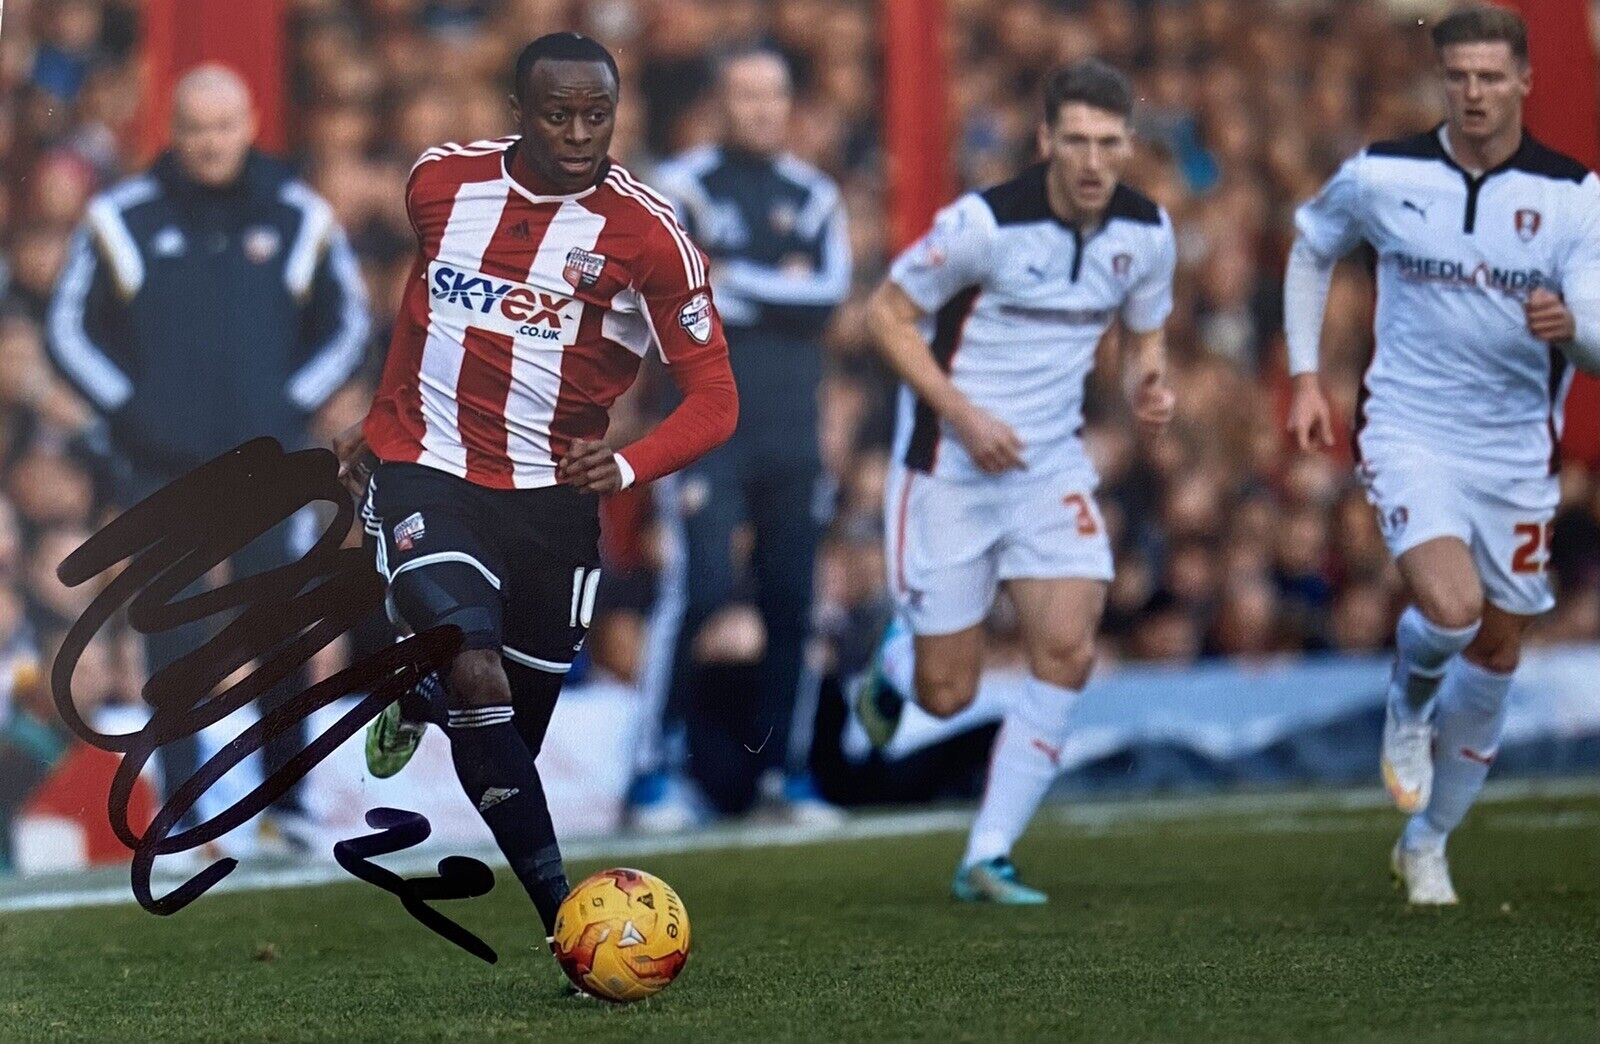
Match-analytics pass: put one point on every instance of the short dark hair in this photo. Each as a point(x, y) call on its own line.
point(561, 47)
point(1092, 82)
point(1482, 23)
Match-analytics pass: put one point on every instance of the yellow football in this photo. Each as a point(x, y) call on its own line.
point(622, 935)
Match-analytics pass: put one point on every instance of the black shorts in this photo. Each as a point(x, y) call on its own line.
point(524, 564)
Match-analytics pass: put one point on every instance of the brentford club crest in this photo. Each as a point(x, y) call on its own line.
point(583, 268)
point(408, 532)
point(1527, 221)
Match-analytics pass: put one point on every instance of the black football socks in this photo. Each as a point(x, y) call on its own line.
point(497, 771)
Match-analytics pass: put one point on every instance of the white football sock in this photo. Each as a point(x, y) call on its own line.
point(995, 698)
point(1423, 648)
point(1023, 764)
point(1467, 726)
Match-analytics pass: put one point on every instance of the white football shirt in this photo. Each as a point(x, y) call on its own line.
point(1455, 369)
point(1017, 300)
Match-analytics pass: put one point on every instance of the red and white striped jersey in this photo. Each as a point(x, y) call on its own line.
point(526, 316)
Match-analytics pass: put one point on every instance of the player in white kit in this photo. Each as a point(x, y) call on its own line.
point(991, 321)
point(1488, 280)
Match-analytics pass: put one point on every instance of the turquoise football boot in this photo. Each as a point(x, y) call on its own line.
point(994, 881)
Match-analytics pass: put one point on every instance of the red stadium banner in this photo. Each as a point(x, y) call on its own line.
point(916, 116)
point(1564, 112)
point(246, 35)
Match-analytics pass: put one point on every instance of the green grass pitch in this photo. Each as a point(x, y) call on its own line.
point(1269, 926)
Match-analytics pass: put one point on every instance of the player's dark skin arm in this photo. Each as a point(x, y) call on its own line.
point(591, 466)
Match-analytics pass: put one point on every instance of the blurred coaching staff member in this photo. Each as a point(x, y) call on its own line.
point(206, 302)
point(774, 228)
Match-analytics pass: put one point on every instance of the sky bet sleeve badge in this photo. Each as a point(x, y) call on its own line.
point(695, 317)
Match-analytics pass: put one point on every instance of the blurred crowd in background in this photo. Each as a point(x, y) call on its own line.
point(1228, 542)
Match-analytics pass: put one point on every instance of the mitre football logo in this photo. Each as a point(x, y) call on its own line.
point(1527, 222)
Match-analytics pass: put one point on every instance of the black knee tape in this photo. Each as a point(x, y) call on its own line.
point(449, 593)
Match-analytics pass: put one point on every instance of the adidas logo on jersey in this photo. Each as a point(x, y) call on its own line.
point(519, 230)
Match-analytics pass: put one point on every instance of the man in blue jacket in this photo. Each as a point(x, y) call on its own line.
point(774, 228)
point(204, 303)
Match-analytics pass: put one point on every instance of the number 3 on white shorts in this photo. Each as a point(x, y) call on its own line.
point(1087, 526)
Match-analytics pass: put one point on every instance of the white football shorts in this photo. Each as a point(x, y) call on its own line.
point(1504, 521)
point(949, 544)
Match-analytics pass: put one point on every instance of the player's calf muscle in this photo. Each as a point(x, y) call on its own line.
point(478, 680)
point(1497, 646)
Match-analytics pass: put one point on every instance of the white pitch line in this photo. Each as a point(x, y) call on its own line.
point(1357, 799)
point(1276, 814)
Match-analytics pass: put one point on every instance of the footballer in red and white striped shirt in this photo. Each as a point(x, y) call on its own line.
point(544, 274)
point(532, 302)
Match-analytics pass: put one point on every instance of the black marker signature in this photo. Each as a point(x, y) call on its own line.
point(173, 538)
point(459, 876)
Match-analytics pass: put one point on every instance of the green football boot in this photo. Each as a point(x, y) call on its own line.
point(391, 740)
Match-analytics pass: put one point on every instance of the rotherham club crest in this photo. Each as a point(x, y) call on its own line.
point(1527, 222)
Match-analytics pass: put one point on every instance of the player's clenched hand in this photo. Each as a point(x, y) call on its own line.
point(356, 461)
point(1310, 422)
point(1154, 404)
point(591, 466)
point(989, 441)
point(1548, 316)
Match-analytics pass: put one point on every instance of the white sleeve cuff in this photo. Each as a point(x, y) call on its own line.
point(626, 469)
